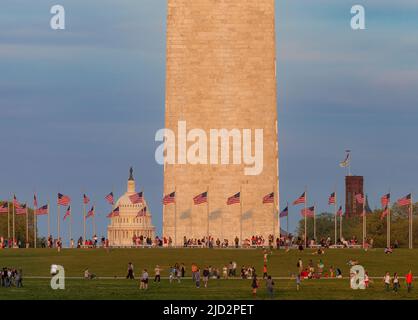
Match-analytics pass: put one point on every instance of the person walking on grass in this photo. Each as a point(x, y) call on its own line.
point(194, 270)
point(178, 270)
point(270, 287)
point(408, 280)
point(298, 280)
point(395, 282)
point(386, 280)
point(157, 272)
point(144, 280)
point(225, 272)
point(299, 265)
point(206, 276)
point(265, 272)
point(197, 278)
point(130, 274)
point(254, 285)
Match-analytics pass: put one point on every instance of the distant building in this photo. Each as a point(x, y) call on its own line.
point(124, 227)
point(353, 185)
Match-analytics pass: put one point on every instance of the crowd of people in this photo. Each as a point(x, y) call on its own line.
point(287, 241)
point(11, 277)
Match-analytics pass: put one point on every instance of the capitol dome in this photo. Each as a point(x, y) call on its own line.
point(134, 219)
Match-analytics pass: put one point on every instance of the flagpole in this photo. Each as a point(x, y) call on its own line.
point(8, 221)
point(411, 211)
point(388, 225)
point(35, 226)
point(240, 205)
point(341, 225)
point(13, 240)
point(27, 226)
point(84, 222)
point(49, 225)
point(59, 217)
point(287, 220)
point(207, 208)
point(364, 221)
point(175, 216)
point(306, 199)
point(335, 213)
point(70, 225)
point(94, 221)
point(274, 216)
point(314, 223)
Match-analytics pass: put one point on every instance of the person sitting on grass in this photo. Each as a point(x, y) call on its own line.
point(388, 250)
point(366, 279)
point(338, 273)
point(352, 262)
point(88, 275)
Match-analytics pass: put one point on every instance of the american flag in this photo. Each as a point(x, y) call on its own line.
point(114, 213)
point(340, 211)
point(359, 198)
point(4, 208)
point(385, 200)
point(236, 198)
point(21, 210)
point(331, 199)
point(35, 201)
point(309, 212)
point(42, 210)
point(301, 199)
point(90, 213)
point(269, 198)
point(137, 198)
point(63, 200)
point(142, 212)
point(384, 213)
point(110, 198)
point(86, 199)
point(284, 213)
point(405, 201)
point(201, 198)
point(16, 203)
point(169, 198)
point(68, 213)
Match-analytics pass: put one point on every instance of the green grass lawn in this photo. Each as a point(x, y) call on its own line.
point(37, 262)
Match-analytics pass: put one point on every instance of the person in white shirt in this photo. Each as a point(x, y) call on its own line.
point(386, 280)
point(144, 280)
point(395, 282)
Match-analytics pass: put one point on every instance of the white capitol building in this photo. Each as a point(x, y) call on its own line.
point(125, 226)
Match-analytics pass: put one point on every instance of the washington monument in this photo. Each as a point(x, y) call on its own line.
point(221, 106)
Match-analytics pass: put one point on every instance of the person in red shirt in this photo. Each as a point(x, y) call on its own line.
point(265, 272)
point(408, 279)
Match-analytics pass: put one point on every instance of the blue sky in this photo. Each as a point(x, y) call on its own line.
point(78, 107)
